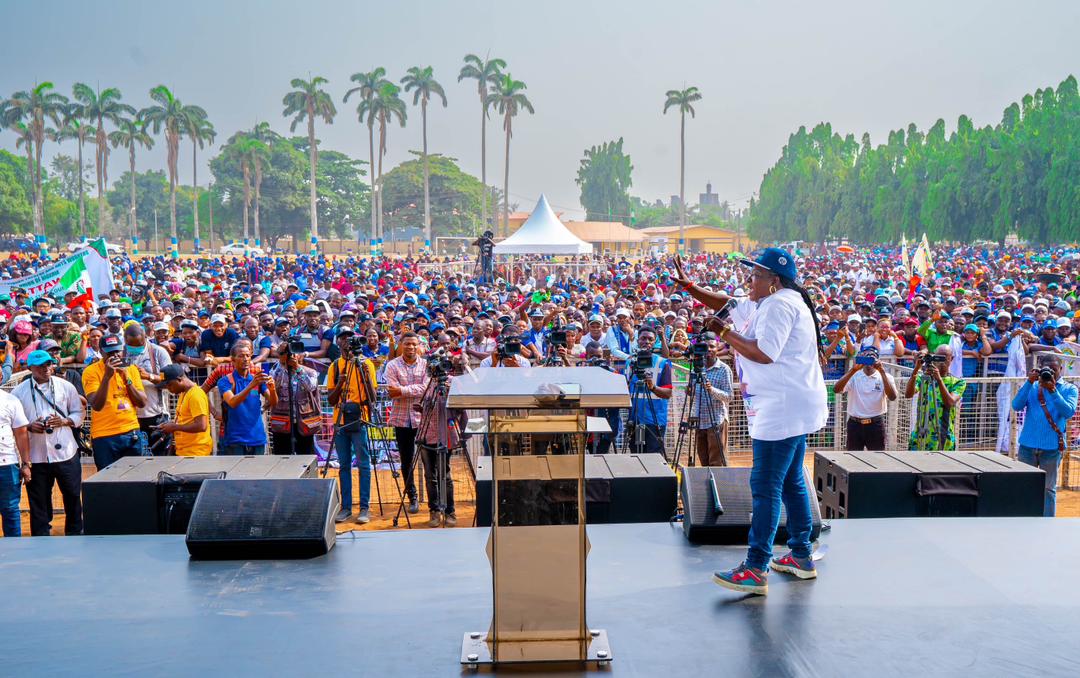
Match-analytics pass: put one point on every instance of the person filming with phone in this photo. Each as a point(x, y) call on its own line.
point(242, 391)
point(115, 393)
point(868, 399)
point(1049, 402)
point(937, 405)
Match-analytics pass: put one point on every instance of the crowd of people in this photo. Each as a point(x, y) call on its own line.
point(245, 345)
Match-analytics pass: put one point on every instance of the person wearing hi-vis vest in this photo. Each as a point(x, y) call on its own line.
point(115, 393)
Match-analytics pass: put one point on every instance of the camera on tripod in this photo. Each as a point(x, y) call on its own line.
point(356, 345)
point(699, 351)
point(295, 346)
point(642, 362)
point(439, 364)
point(557, 337)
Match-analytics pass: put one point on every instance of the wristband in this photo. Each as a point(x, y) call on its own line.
point(723, 332)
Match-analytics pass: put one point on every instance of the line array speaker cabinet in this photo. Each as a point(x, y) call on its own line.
point(154, 495)
point(619, 488)
point(729, 523)
point(926, 484)
point(249, 519)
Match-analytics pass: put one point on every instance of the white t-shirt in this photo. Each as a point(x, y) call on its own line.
point(12, 416)
point(785, 398)
point(866, 395)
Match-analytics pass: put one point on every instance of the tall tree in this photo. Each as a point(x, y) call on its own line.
point(422, 83)
point(386, 106)
point(78, 128)
point(101, 107)
point(201, 132)
point(168, 114)
point(604, 178)
point(306, 102)
point(260, 158)
point(131, 133)
point(367, 86)
point(35, 108)
point(486, 73)
point(508, 99)
point(683, 99)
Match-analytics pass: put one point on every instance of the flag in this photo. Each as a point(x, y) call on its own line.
point(904, 255)
point(921, 261)
point(77, 279)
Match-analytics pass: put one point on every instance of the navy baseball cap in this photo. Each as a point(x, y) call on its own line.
point(111, 343)
point(774, 259)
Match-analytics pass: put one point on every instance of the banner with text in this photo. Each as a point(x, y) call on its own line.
point(86, 271)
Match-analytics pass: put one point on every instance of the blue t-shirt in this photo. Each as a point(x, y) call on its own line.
point(645, 407)
point(219, 347)
point(244, 424)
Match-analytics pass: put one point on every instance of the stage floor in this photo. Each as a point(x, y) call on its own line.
point(925, 597)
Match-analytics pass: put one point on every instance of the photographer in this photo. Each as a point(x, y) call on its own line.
point(1050, 403)
point(291, 376)
point(351, 392)
point(507, 350)
point(871, 391)
point(115, 392)
point(712, 394)
point(54, 409)
point(485, 245)
point(649, 377)
point(594, 357)
point(938, 406)
point(406, 379)
point(149, 359)
point(785, 401)
point(245, 431)
point(191, 430)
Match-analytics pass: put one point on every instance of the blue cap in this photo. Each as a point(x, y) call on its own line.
point(776, 260)
point(971, 327)
point(1027, 319)
point(834, 325)
point(39, 358)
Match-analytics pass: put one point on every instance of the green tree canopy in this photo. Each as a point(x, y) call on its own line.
point(455, 196)
point(1021, 175)
point(604, 178)
point(16, 212)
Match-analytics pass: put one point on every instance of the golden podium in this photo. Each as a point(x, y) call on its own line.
point(537, 428)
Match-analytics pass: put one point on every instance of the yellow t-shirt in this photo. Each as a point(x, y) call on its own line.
point(353, 391)
point(193, 403)
point(119, 415)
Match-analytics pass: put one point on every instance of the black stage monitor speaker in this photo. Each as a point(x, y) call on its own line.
point(248, 519)
point(717, 506)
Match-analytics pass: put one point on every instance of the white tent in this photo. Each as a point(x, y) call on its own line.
point(543, 233)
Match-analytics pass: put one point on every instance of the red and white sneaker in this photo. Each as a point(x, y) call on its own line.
point(803, 568)
point(744, 580)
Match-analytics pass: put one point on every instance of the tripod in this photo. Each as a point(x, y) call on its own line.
point(433, 412)
point(354, 366)
point(690, 416)
point(638, 389)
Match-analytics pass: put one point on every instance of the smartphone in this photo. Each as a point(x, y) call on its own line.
point(864, 360)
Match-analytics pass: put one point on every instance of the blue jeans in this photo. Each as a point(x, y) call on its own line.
point(348, 445)
point(778, 476)
point(237, 450)
point(10, 492)
point(1048, 461)
point(108, 449)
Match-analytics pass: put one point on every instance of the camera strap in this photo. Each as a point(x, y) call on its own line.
point(1053, 424)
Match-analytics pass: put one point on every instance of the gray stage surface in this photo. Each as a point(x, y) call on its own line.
point(923, 597)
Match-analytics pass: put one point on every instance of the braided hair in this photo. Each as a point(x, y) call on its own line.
point(788, 283)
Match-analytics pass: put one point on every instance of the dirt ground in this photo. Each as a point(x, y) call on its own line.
point(383, 514)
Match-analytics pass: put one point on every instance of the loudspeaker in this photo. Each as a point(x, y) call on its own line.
point(926, 484)
point(705, 523)
point(176, 498)
point(248, 519)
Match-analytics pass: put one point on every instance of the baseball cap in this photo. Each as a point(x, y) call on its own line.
point(972, 327)
point(39, 357)
point(776, 260)
point(161, 326)
point(171, 372)
point(111, 344)
point(854, 317)
point(596, 318)
point(48, 344)
point(113, 313)
point(622, 312)
point(218, 318)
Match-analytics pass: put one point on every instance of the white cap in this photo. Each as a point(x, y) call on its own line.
point(854, 316)
point(622, 312)
point(161, 326)
point(217, 318)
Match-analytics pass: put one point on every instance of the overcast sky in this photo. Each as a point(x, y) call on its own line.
point(595, 71)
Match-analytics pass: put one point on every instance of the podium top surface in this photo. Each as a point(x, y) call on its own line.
point(494, 388)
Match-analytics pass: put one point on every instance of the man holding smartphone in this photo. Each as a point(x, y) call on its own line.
point(242, 391)
point(115, 392)
point(868, 399)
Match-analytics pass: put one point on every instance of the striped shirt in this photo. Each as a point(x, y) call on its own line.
point(712, 411)
point(412, 380)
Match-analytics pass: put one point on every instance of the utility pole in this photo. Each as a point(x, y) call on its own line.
point(210, 190)
point(155, 232)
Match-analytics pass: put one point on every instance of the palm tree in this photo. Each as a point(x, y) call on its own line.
point(260, 157)
point(35, 108)
point(101, 106)
point(508, 98)
point(684, 99)
point(75, 127)
point(170, 115)
point(486, 72)
point(368, 85)
point(238, 147)
point(131, 133)
point(304, 103)
point(201, 132)
point(422, 83)
point(385, 107)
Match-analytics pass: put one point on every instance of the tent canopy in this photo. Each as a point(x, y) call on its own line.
point(543, 233)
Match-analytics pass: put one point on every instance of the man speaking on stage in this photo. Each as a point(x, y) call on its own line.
point(785, 401)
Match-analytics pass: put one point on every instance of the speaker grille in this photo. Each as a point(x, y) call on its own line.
point(260, 509)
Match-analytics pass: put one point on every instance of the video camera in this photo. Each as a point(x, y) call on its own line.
point(507, 346)
point(295, 346)
point(557, 337)
point(439, 364)
point(933, 359)
point(699, 350)
point(641, 362)
point(356, 345)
